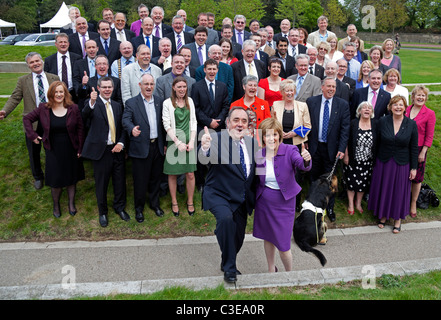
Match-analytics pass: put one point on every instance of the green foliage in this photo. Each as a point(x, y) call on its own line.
point(301, 12)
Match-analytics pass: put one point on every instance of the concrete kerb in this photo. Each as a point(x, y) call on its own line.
point(249, 281)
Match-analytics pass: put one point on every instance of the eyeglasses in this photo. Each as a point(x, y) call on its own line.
point(240, 22)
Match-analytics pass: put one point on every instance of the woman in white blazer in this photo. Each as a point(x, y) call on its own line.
point(179, 120)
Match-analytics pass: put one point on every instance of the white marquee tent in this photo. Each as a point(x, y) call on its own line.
point(5, 24)
point(60, 19)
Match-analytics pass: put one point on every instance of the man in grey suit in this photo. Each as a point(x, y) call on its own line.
point(164, 83)
point(212, 35)
point(28, 90)
point(131, 75)
point(142, 120)
point(307, 85)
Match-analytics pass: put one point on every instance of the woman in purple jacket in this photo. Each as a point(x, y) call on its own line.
point(63, 139)
point(276, 165)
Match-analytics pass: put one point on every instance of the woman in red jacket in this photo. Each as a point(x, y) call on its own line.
point(63, 138)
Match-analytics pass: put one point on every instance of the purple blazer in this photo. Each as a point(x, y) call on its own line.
point(74, 124)
point(287, 160)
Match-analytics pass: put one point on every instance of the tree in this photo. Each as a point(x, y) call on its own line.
point(23, 13)
point(251, 9)
point(391, 14)
point(194, 7)
point(302, 13)
point(335, 14)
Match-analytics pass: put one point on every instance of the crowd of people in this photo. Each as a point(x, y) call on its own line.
point(238, 115)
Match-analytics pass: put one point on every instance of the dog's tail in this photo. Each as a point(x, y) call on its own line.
point(306, 247)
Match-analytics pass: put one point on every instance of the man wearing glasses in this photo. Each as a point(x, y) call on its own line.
point(240, 34)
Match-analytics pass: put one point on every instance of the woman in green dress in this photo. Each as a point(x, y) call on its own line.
point(179, 120)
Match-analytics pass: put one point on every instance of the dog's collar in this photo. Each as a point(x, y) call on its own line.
point(306, 205)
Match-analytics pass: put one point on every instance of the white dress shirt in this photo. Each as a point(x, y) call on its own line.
point(45, 86)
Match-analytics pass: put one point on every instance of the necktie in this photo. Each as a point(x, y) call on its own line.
point(299, 86)
point(374, 99)
point(251, 69)
point(92, 69)
point(121, 36)
point(239, 38)
point(147, 42)
point(310, 70)
point(157, 32)
point(41, 94)
point(84, 45)
point(242, 160)
point(128, 62)
point(270, 44)
point(201, 59)
point(325, 122)
point(294, 52)
point(211, 92)
point(64, 71)
point(106, 47)
point(111, 122)
point(179, 44)
point(348, 72)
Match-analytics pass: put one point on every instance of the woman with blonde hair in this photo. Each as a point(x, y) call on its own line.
point(323, 49)
point(333, 54)
point(390, 59)
point(392, 78)
point(365, 67)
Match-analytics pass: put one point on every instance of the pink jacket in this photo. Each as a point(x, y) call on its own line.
point(425, 121)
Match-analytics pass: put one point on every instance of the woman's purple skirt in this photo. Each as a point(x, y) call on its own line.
point(274, 218)
point(389, 195)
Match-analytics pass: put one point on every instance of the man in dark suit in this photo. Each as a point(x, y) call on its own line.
point(314, 68)
point(85, 68)
point(27, 90)
point(212, 35)
point(104, 146)
point(328, 138)
point(376, 96)
point(239, 32)
point(78, 39)
point(210, 97)
point(69, 28)
point(119, 32)
point(247, 65)
point(65, 59)
point(341, 75)
point(160, 29)
point(146, 37)
point(224, 73)
point(199, 48)
point(227, 32)
point(228, 191)
point(260, 55)
point(342, 90)
point(294, 47)
point(90, 84)
point(285, 26)
point(142, 121)
point(107, 46)
point(178, 37)
point(288, 62)
point(164, 60)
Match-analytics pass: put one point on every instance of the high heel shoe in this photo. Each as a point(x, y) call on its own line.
point(73, 212)
point(191, 213)
point(175, 213)
point(350, 212)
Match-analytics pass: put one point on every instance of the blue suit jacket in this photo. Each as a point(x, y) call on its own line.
point(225, 74)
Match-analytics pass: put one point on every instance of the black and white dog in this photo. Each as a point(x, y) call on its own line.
point(309, 226)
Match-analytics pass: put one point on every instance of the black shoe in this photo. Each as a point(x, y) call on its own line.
point(331, 215)
point(139, 216)
point(57, 214)
point(191, 213)
point(124, 215)
point(237, 271)
point(72, 213)
point(103, 220)
point(158, 211)
point(175, 213)
point(230, 277)
point(38, 184)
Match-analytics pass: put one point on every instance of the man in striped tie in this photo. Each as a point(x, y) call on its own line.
point(179, 37)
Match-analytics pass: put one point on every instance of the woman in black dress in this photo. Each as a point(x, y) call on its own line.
point(63, 138)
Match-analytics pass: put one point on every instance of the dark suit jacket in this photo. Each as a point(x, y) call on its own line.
point(78, 72)
point(290, 68)
point(188, 38)
point(247, 35)
point(225, 74)
point(319, 71)
point(361, 95)
point(342, 90)
point(96, 140)
point(83, 93)
point(190, 68)
point(239, 73)
point(206, 110)
point(51, 66)
point(136, 115)
point(74, 125)
point(74, 42)
point(129, 34)
point(403, 146)
point(226, 183)
point(263, 57)
point(351, 82)
point(114, 53)
point(67, 29)
point(154, 47)
point(338, 128)
point(166, 29)
point(194, 54)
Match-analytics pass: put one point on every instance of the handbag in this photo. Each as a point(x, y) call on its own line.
point(427, 197)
